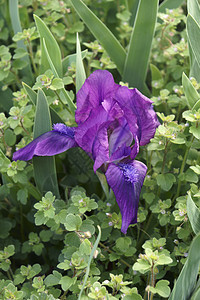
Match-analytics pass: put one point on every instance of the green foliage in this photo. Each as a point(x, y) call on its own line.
point(50, 247)
point(102, 33)
point(138, 53)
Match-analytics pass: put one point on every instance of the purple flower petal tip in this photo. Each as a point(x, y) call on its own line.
point(98, 87)
point(48, 144)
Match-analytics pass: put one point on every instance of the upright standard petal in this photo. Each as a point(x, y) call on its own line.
point(139, 113)
point(98, 87)
point(126, 180)
point(92, 136)
point(60, 139)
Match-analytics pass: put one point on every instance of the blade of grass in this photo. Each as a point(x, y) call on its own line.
point(102, 34)
point(104, 184)
point(89, 262)
point(51, 45)
point(32, 94)
point(80, 71)
point(16, 26)
point(64, 95)
point(133, 6)
point(192, 96)
point(44, 167)
point(137, 58)
point(186, 281)
point(193, 214)
point(66, 62)
point(193, 31)
point(194, 10)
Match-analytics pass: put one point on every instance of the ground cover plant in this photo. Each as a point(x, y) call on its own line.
point(99, 149)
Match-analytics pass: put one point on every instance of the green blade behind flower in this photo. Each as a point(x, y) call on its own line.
point(193, 214)
point(193, 31)
point(66, 62)
point(137, 58)
point(191, 94)
point(80, 71)
point(52, 46)
point(194, 10)
point(44, 167)
point(102, 34)
point(90, 260)
point(63, 94)
point(186, 282)
point(16, 26)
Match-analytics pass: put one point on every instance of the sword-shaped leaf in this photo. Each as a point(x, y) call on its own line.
point(64, 95)
point(193, 31)
point(51, 45)
point(193, 214)
point(44, 167)
point(192, 96)
point(186, 282)
point(102, 34)
point(137, 58)
point(16, 25)
point(80, 71)
point(194, 10)
point(66, 62)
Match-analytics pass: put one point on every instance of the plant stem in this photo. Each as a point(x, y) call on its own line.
point(21, 223)
point(183, 167)
point(110, 251)
point(59, 98)
point(144, 232)
point(21, 123)
point(151, 296)
point(17, 77)
point(64, 294)
point(10, 274)
point(31, 56)
point(163, 164)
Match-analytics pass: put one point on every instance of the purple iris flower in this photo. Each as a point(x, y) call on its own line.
point(113, 121)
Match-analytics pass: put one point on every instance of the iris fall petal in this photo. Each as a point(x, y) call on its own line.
point(50, 143)
point(126, 180)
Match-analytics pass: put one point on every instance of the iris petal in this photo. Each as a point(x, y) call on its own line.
point(48, 144)
point(98, 87)
point(139, 113)
point(92, 137)
point(126, 180)
point(121, 135)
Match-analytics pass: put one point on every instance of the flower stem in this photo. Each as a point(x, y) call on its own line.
point(21, 223)
point(110, 251)
point(31, 56)
point(144, 232)
point(183, 167)
point(64, 294)
point(163, 164)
